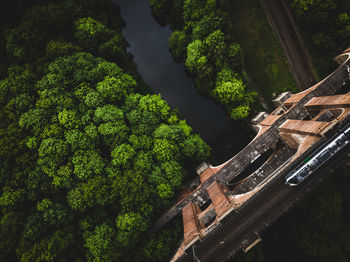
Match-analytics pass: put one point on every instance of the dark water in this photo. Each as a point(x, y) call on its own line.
point(149, 45)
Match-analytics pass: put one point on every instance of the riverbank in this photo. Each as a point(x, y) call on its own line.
point(150, 48)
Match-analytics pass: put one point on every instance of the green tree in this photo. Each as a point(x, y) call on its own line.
point(122, 155)
point(115, 50)
point(173, 172)
point(228, 87)
point(95, 192)
point(235, 57)
point(216, 48)
point(50, 248)
point(55, 49)
point(229, 91)
point(68, 119)
point(172, 133)
point(155, 104)
point(195, 56)
point(195, 148)
point(115, 89)
point(93, 99)
point(52, 153)
point(87, 163)
point(11, 197)
point(164, 150)
point(314, 9)
point(161, 245)
point(108, 113)
point(102, 243)
point(159, 10)
point(178, 42)
point(129, 227)
point(35, 119)
point(207, 25)
point(141, 142)
point(194, 10)
point(240, 112)
point(114, 132)
point(90, 32)
point(343, 22)
point(143, 161)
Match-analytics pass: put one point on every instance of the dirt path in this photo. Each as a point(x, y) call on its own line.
point(297, 55)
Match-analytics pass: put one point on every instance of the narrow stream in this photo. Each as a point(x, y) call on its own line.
point(149, 45)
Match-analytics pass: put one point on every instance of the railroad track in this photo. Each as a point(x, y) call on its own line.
point(258, 214)
point(236, 229)
point(296, 53)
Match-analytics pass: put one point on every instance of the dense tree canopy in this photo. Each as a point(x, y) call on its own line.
point(203, 40)
point(89, 157)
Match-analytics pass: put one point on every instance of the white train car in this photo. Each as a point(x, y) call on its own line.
point(317, 159)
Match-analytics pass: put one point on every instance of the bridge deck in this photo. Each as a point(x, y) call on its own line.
point(239, 230)
point(260, 144)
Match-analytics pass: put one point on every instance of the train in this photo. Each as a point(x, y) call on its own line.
point(320, 157)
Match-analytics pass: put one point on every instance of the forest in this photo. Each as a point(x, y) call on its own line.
point(91, 156)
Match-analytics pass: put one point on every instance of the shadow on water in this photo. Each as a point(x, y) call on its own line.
point(149, 45)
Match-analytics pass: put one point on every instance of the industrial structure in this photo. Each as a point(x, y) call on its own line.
point(229, 205)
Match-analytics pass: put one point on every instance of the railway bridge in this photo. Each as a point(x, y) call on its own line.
point(228, 206)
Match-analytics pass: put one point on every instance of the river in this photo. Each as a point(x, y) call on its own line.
point(149, 45)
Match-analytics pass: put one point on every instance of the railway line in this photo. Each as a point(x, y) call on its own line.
point(296, 53)
point(274, 200)
point(234, 227)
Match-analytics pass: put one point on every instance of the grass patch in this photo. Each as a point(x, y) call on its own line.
point(264, 58)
